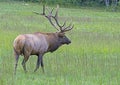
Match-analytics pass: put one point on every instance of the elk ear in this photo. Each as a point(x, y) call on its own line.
point(61, 34)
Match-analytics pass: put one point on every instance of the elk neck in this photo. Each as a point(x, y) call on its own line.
point(53, 41)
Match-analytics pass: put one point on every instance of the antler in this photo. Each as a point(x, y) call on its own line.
point(62, 28)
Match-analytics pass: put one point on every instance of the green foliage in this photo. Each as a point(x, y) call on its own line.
point(72, 2)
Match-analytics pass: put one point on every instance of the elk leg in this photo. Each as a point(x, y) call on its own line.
point(16, 59)
point(38, 62)
point(42, 65)
point(24, 63)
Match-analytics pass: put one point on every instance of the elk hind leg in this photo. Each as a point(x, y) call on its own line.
point(16, 61)
point(24, 62)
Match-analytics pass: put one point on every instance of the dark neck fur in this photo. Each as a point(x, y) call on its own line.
point(54, 43)
point(54, 46)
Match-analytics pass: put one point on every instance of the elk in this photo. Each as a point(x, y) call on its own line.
point(40, 43)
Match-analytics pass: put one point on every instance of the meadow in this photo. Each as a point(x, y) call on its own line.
point(93, 57)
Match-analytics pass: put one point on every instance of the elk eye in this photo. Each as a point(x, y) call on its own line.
point(61, 36)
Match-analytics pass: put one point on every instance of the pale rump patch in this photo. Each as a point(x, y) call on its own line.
point(30, 44)
point(18, 44)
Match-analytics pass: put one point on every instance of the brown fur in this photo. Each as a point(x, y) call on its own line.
point(37, 44)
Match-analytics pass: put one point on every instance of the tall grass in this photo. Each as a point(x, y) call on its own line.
point(91, 59)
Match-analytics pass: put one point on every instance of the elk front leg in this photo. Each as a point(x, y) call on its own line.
point(24, 62)
point(39, 60)
point(42, 65)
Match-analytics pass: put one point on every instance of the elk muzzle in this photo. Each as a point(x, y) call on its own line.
point(68, 42)
point(65, 40)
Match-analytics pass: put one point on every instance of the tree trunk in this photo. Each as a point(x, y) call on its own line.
point(115, 3)
point(107, 3)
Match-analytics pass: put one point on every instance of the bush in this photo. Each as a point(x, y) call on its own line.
point(70, 2)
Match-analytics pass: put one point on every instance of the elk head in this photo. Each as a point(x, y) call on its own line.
point(61, 28)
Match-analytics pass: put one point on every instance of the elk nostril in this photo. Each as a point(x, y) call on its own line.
point(69, 42)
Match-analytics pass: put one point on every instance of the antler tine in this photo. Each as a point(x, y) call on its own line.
point(56, 15)
point(36, 12)
point(55, 23)
point(49, 16)
point(62, 27)
point(50, 12)
point(41, 13)
point(56, 18)
point(67, 26)
point(64, 23)
point(70, 28)
point(43, 10)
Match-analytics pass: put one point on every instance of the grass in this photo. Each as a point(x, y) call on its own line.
point(91, 59)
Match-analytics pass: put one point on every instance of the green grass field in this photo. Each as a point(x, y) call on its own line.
point(93, 57)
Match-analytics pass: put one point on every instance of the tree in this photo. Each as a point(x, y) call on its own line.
point(107, 2)
point(111, 3)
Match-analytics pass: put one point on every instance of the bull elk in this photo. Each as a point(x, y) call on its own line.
point(40, 43)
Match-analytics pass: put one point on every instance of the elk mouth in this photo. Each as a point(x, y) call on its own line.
point(68, 42)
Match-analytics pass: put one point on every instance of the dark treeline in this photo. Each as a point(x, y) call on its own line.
point(78, 2)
